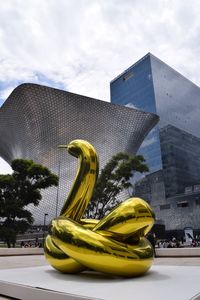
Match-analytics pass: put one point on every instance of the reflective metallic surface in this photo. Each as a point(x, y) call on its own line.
point(35, 119)
point(82, 189)
point(172, 149)
point(115, 245)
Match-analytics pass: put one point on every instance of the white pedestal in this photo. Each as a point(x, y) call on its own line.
point(161, 282)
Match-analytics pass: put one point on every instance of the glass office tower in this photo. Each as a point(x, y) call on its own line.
point(172, 148)
point(134, 88)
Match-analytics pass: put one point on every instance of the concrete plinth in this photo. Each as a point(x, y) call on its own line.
point(161, 282)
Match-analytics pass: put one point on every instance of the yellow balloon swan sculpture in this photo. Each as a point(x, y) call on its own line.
point(115, 244)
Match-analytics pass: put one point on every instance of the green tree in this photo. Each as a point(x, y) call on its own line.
point(17, 191)
point(114, 178)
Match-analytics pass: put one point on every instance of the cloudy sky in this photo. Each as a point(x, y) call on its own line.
point(81, 45)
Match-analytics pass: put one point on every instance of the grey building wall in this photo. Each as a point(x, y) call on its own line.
point(35, 119)
point(181, 159)
point(152, 188)
point(178, 180)
point(181, 211)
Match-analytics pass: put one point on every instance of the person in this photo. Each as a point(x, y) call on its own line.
point(26, 245)
point(170, 245)
point(194, 244)
point(37, 244)
point(29, 244)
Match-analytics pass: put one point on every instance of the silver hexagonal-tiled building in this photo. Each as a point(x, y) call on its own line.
point(35, 119)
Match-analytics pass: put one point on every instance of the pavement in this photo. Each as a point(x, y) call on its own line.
point(13, 262)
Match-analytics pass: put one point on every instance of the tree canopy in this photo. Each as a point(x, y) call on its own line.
point(17, 191)
point(114, 178)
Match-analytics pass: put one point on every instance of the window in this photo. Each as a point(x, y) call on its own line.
point(165, 206)
point(128, 75)
point(182, 204)
point(197, 201)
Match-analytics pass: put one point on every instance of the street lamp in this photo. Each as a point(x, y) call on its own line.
point(45, 215)
point(57, 194)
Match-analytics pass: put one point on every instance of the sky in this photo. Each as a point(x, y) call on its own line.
point(81, 45)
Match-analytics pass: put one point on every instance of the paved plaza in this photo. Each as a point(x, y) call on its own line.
point(10, 262)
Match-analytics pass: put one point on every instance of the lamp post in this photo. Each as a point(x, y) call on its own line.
point(45, 215)
point(57, 194)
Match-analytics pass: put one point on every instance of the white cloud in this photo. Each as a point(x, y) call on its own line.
point(131, 105)
point(5, 167)
point(6, 92)
point(148, 141)
point(81, 45)
point(84, 44)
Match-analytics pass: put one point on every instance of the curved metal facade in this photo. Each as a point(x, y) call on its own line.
point(35, 119)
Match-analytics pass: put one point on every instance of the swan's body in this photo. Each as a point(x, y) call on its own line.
point(115, 244)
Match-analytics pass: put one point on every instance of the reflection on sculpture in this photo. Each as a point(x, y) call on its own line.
point(114, 245)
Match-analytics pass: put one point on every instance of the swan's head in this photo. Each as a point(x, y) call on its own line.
point(75, 147)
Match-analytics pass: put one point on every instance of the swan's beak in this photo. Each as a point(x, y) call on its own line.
point(63, 146)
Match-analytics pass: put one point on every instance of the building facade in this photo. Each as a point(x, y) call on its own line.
point(181, 160)
point(35, 119)
point(171, 149)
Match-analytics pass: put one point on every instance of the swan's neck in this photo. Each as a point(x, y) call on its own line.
point(83, 186)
